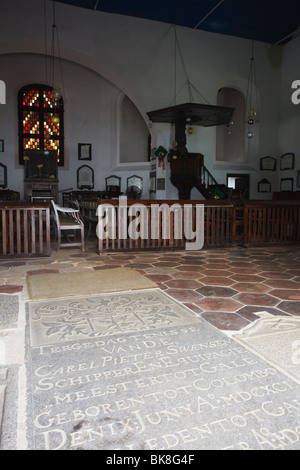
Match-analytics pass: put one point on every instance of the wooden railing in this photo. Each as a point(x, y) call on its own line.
point(226, 223)
point(220, 225)
point(162, 224)
point(205, 182)
point(155, 224)
point(24, 229)
point(271, 222)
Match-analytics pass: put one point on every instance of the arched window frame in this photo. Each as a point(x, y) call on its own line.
point(36, 107)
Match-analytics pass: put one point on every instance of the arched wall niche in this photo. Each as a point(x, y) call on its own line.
point(134, 134)
point(231, 138)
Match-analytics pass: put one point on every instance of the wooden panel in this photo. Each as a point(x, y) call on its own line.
point(162, 224)
point(25, 229)
point(271, 222)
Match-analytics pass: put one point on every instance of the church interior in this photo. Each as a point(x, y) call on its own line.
point(151, 149)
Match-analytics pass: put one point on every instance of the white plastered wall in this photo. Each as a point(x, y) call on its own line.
point(106, 56)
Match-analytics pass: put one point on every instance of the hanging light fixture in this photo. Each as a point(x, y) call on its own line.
point(53, 79)
point(251, 97)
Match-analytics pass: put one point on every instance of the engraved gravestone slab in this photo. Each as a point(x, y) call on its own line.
point(8, 407)
point(175, 386)
point(9, 308)
point(3, 375)
point(277, 340)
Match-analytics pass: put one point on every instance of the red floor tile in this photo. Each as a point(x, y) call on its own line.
point(257, 299)
point(219, 304)
point(183, 284)
point(292, 307)
point(286, 294)
point(217, 281)
point(225, 320)
point(184, 295)
point(282, 284)
point(251, 287)
point(10, 289)
point(247, 278)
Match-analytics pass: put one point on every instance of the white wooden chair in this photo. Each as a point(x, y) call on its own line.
point(68, 219)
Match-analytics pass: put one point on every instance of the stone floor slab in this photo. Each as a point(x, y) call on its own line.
point(2, 398)
point(9, 310)
point(8, 408)
point(187, 387)
point(277, 340)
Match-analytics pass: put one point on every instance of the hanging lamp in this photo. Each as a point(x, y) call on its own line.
point(251, 97)
point(53, 76)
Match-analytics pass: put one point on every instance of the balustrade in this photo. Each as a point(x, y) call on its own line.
point(24, 229)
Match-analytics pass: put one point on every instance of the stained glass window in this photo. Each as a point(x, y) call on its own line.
point(40, 121)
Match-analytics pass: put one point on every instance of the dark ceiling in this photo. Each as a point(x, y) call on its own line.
point(270, 21)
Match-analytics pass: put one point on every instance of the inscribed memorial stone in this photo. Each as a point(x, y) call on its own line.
point(168, 381)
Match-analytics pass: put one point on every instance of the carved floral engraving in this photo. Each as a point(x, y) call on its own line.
point(104, 315)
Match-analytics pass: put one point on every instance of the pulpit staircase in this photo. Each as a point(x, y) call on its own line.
point(188, 171)
point(208, 186)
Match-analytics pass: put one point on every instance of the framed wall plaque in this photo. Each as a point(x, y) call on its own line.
point(264, 186)
point(161, 184)
point(1, 145)
point(135, 180)
point(113, 183)
point(287, 161)
point(3, 176)
point(152, 181)
point(286, 184)
point(85, 177)
point(268, 163)
point(84, 151)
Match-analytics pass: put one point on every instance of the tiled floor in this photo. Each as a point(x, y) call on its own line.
point(226, 287)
